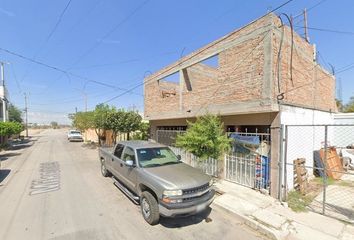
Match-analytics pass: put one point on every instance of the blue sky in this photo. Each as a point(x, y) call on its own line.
point(84, 44)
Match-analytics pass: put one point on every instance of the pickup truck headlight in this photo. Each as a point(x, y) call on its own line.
point(171, 193)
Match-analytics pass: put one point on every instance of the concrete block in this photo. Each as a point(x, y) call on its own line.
point(235, 205)
point(269, 218)
point(303, 232)
point(313, 220)
point(348, 233)
point(264, 230)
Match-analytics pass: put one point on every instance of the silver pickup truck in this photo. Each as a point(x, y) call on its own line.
point(151, 175)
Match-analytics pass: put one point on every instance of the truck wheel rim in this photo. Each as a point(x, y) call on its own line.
point(146, 208)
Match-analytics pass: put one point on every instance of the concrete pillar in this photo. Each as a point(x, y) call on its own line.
point(275, 132)
point(181, 84)
point(4, 110)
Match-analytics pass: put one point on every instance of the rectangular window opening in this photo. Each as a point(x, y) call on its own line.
point(212, 61)
point(173, 78)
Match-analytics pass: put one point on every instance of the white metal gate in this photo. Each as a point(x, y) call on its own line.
point(250, 167)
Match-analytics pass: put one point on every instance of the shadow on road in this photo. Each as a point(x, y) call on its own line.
point(4, 173)
point(4, 157)
point(21, 144)
point(179, 222)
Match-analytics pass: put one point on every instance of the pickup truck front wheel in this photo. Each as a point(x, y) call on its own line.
point(104, 170)
point(149, 208)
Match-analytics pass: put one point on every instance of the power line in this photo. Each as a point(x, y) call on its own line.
point(98, 43)
point(49, 35)
point(58, 22)
point(344, 69)
point(323, 60)
point(88, 13)
point(124, 20)
point(328, 30)
point(310, 8)
point(61, 70)
point(15, 77)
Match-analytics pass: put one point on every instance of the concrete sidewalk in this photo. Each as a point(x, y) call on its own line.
point(266, 215)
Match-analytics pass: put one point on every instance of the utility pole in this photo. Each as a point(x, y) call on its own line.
point(306, 27)
point(4, 98)
point(3, 102)
point(85, 96)
point(2, 74)
point(26, 112)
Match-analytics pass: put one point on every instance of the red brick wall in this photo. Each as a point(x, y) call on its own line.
point(311, 85)
point(238, 78)
point(240, 75)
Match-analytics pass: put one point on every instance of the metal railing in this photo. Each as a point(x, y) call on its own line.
point(208, 166)
point(249, 162)
point(168, 137)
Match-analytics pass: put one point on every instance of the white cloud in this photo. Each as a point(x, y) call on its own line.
point(47, 117)
point(7, 13)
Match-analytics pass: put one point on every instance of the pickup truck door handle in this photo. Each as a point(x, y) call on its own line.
point(121, 164)
point(112, 159)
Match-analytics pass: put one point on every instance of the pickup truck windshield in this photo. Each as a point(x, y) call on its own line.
point(155, 157)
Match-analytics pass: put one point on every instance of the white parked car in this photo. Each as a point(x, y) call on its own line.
point(75, 135)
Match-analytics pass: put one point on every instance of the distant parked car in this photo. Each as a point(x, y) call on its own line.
point(75, 135)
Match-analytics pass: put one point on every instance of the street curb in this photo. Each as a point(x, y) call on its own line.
point(268, 232)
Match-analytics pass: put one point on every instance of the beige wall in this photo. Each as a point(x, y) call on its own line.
point(90, 135)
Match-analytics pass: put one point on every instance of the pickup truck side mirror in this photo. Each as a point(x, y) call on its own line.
point(129, 163)
point(179, 157)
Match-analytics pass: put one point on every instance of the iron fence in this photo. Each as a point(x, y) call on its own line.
point(168, 137)
point(209, 166)
point(248, 164)
point(319, 164)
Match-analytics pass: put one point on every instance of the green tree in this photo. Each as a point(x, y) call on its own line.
point(10, 128)
point(115, 123)
point(349, 107)
point(15, 114)
point(54, 124)
point(205, 138)
point(83, 120)
point(339, 104)
point(144, 130)
point(101, 114)
point(131, 122)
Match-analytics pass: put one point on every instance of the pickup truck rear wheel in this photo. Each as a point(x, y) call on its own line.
point(104, 170)
point(149, 208)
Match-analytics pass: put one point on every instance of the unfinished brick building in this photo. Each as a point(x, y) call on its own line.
point(251, 77)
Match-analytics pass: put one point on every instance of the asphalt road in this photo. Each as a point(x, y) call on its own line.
point(54, 190)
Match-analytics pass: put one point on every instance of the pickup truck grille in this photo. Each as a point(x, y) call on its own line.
point(196, 189)
point(190, 199)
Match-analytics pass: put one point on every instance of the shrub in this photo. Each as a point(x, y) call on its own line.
point(205, 138)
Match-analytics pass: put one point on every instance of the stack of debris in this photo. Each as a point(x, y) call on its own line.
point(300, 175)
point(330, 163)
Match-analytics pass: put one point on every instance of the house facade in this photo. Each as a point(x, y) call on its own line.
point(256, 78)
